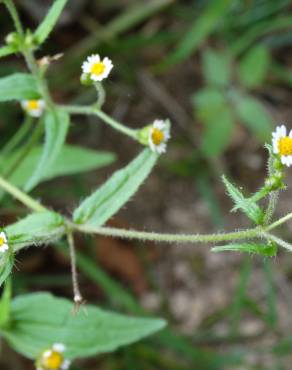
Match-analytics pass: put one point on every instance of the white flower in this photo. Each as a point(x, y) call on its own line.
point(282, 144)
point(96, 68)
point(159, 134)
point(3, 242)
point(34, 108)
point(53, 358)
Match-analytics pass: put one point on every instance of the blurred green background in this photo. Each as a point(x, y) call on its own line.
point(221, 71)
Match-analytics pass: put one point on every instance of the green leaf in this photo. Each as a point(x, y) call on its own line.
point(211, 106)
point(6, 50)
point(255, 117)
point(115, 192)
point(6, 265)
point(18, 86)
point(135, 13)
point(208, 103)
point(39, 320)
point(249, 207)
point(50, 20)
point(216, 68)
point(36, 228)
point(217, 133)
point(56, 127)
point(254, 66)
point(203, 25)
point(254, 248)
point(71, 160)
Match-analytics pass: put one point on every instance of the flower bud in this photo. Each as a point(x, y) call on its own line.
point(29, 41)
point(13, 39)
point(85, 79)
point(143, 135)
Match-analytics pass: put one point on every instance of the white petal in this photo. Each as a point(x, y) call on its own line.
point(160, 124)
point(42, 104)
point(95, 58)
point(161, 148)
point(24, 104)
point(86, 67)
point(283, 130)
point(65, 365)
point(107, 62)
point(289, 160)
point(3, 236)
point(59, 347)
point(275, 146)
point(166, 134)
point(47, 353)
point(285, 160)
point(4, 248)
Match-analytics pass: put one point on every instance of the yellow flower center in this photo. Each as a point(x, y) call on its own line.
point(97, 69)
point(285, 145)
point(157, 136)
point(2, 241)
point(32, 104)
point(53, 361)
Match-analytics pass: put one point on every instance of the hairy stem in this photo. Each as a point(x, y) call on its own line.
point(33, 67)
point(93, 110)
point(21, 196)
point(278, 241)
point(183, 238)
point(76, 290)
point(273, 198)
point(279, 222)
point(14, 15)
point(100, 95)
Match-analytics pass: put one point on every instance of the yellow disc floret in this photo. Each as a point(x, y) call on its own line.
point(285, 146)
point(53, 360)
point(32, 104)
point(157, 136)
point(97, 69)
point(2, 241)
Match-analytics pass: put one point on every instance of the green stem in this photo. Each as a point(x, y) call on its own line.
point(100, 94)
point(92, 110)
point(21, 196)
point(262, 193)
point(76, 290)
point(278, 241)
point(14, 15)
point(279, 222)
point(43, 86)
point(183, 238)
point(273, 198)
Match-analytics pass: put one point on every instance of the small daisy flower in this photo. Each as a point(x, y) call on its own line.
point(96, 68)
point(3, 242)
point(53, 358)
point(34, 108)
point(282, 144)
point(159, 134)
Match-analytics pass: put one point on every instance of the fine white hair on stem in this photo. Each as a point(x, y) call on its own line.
point(76, 290)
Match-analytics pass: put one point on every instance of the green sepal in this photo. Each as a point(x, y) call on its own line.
point(85, 79)
point(267, 250)
point(247, 205)
point(143, 135)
